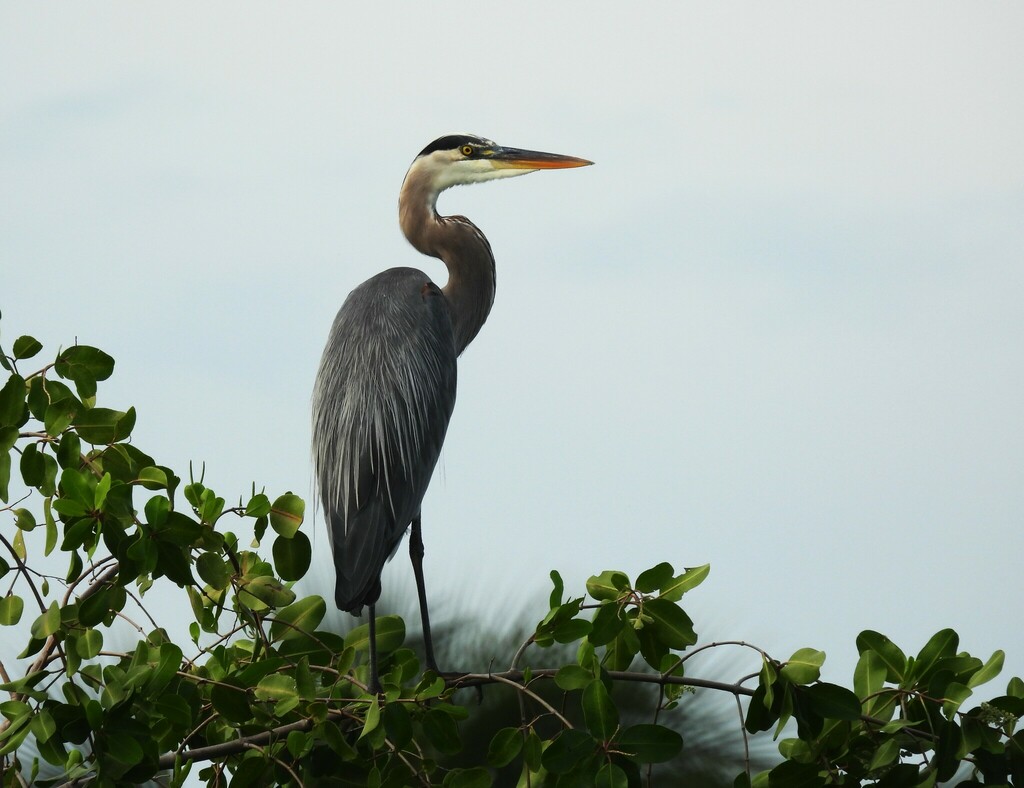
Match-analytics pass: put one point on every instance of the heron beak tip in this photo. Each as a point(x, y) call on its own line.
point(514, 158)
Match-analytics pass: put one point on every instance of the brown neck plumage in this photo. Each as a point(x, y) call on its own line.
point(463, 249)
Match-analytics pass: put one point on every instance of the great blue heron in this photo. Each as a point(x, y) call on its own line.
point(386, 385)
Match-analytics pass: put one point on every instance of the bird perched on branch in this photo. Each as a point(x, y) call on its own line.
point(386, 385)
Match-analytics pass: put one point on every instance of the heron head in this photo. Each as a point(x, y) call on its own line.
point(458, 159)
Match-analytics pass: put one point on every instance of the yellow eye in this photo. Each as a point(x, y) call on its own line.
point(467, 150)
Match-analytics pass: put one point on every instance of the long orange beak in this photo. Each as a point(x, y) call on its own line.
point(514, 158)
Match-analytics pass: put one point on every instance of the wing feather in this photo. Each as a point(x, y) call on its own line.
point(384, 395)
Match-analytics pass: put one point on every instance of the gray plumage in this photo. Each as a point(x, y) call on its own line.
point(384, 395)
point(386, 386)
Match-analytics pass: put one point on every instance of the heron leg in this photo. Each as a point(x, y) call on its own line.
point(416, 554)
point(374, 685)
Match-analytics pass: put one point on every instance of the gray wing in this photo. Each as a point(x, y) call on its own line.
point(381, 404)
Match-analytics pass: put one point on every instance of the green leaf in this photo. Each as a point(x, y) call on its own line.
point(84, 363)
point(94, 609)
point(606, 624)
point(229, 699)
point(292, 556)
point(48, 623)
point(653, 647)
point(671, 625)
point(269, 591)
point(599, 711)
point(687, 581)
point(100, 493)
point(622, 650)
point(532, 749)
point(958, 668)
point(654, 578)
point(505, 745)
point(989, 671)
point(475, 777)
point(158, 510)
point(791, 774)
point(804, 666)
point(886, 754)
point(442, 731)
point(650, 743)
point(570, 631)
point(566, 750)
point(573, 677)
point(555, 600)
point(59, 415)
point(210, 506)
point(298, 618)
point(32, 466)
point(1011, 704)
point(153, 478)
point(124, 749)
point(12, 401)
point(953, 698)
point(942, 644)
point(37, 398)
point(213, 569)
point(11, 608)
point(607, 585)
point(77, 486)
point(8, 437)
point(51, 527)
point(43, 726)
point(26, 347)
point(895, 660)
point(299, 744)
point(611, 776)
point(286, 515)
point(258, 506)
point(390, 635)
point(15, 733)
point(279, 688)
point(869, 675)
point(430, 688)
point(89, 643)
point(100, 426)
point(398, 724)
point(24, 519)
point(166, 669)
point(69, 451)
point(12, 709)
point(75, 566)
point(832, 701)
point(372, 718)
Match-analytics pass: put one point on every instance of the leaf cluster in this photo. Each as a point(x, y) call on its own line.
point(902, 724)
point(262, 692)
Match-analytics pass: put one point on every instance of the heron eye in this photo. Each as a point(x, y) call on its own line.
point(467, 150)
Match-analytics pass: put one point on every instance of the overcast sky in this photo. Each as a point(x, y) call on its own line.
point(777, 327)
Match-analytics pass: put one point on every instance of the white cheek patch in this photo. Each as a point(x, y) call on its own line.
point(444, 169)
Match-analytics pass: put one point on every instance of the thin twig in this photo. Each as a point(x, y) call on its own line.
point(746, 743)
point(526, 691)
point(23, 569)
point(277, 760)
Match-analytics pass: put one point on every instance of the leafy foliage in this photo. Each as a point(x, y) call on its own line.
point(262, 693)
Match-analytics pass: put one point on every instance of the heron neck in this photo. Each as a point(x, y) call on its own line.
point(465, 252)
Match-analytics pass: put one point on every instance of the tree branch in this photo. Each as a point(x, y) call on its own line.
point(463, 680)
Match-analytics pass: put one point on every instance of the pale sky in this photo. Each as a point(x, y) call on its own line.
point(777, 327)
